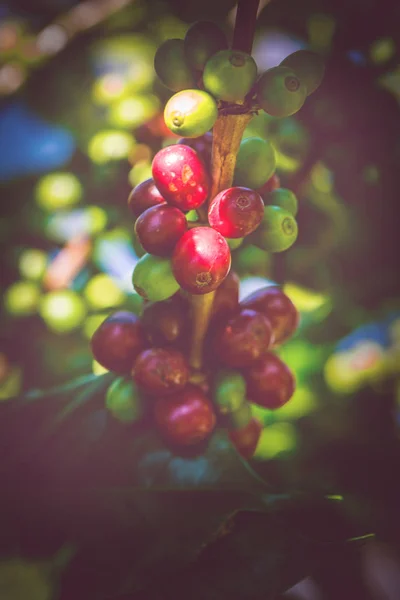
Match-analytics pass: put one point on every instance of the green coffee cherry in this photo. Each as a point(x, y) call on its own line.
point(278, 229)
point(238, 418)
point(190, 113)
point(153, 278)
point(251, 260)
point(202, 40)
point(282, 197)
point(234, 243)
point(229, 391)
point(255, 163)
point(229, 75)
point(308, 66)
point(280, 92)
point(171, 66)
point(123, 400)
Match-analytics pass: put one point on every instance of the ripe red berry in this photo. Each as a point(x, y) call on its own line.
point(226, 299)
point(246, 438)
point(166, 322)
point(202, 145)
point(243, 338)
point(186, 418)
point(270, 383)
point(159, 228)
point(143, 196)
point(278, 308)
point(181, 176)
point(273, 183)
point(201, 260)
point(236, 212)
point(118, 341)
point(161, 371)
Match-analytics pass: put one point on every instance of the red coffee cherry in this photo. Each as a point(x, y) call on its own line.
point(161, 371)
point(243, 338)
point(201, 260)
point(186, 418)
point(236, 212)
point(159, 228)
point(143, 196)
point(278, 308)
point(273, 183)
point(202, 145)
point(270, 383)
point(181, 176)
point(226, 299)
point(118, 341)
point(246, 439)
point(166, 322)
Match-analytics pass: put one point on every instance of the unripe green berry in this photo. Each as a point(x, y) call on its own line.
point(280, 92)
point(238, 418)
point(190, 113)
point(282, 197)
point(255, 163)
point(171, 66)
point(203, 39)
point(229, 391)
point(153, 278)
point(229, 75)
point(124, 401)
point(234, 243)
point(308, 66)
point(278, 230)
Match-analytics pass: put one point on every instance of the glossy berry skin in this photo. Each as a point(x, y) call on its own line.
point(270, 383)
point(280, 93)
point(255, 163)
point(278, 230)
point(124, 401)
point(186, 418)
point(270, 185)
point(166, 322)
point(226, 299)
point(243, 338)
point(202, 40)
point(160, 371)
point(201, 260)
point(159, 228)
point(284, 198)
point(171, 66)
point(272, 302)
point(181, 176)
point(118, 340)
point(308, 66)
point(229, 75)
point(153, 278)
point(236, 212)
point(202, 145)
point(246, 438)
point(191, 113)
point(143, 196)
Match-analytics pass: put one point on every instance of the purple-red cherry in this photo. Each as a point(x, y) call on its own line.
point(159, 228)
point(201, 260)
point(186, 418)
point(202, 145)
point(118, 340)
point(181, 176)
point(161, 371)
point(272, 302)
point(270, 382)
point(236, 212)
point(143, 196)
point(246, 438)
point(271, 184)
point(226, 299)
point(166, 322)
point(243, 338)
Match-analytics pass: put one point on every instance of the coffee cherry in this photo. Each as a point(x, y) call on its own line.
point(229, 391)
point(124, 401)
point(272, 183)
point(186, 418)
point(270, 383)
point(236, 212)
point(255, 163)
point(118, 341)
point(202, 145)
point(166, 322)
point(191, 113)
point(159, 228)
point(284, 198)
point(160, 371)
point(202, 40)
point(229, 75)
point(279, 92)
point(243, 338)
point(272, 302)
point(278, 230)
point(201, 260)
point(238, 418)
point(153, 278)
point(143, 196)
point(171, 66)
point(181, 176)
point(137, 246)
point(308, 66)
point(246, 438)
point(234, 243)
point(226, 299)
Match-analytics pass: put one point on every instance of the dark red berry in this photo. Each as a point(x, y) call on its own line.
point(236, 212)
point(181, 176)
point(270, 383)
point(201, 260)
point(186, 418)
point(143, 196)
point(246, 439)
point(159, 228)
point(202, 145)
point(166, 322)
point(278, 308)
point(161, 371)
point(243, 338)
point(118, 341)
point(226, 299)
point(273, 183)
